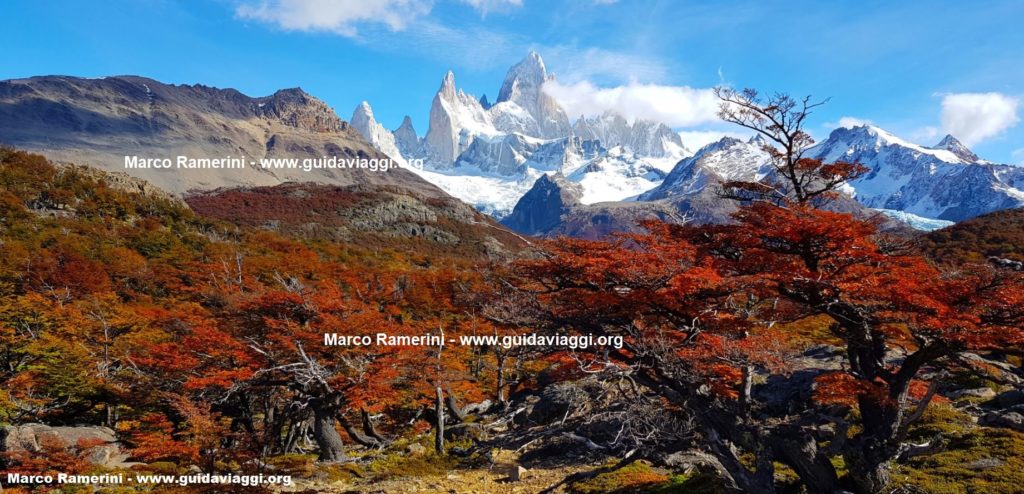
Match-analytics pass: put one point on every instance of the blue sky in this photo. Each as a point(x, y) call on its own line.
point(918, 69)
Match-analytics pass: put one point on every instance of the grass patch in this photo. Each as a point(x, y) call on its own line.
point(635, 477)
point(976, 459)
point(396, 464)
point(641, 478)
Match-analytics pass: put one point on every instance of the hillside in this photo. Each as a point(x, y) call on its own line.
point(999, 234)
point(98, 122)
point(372, 217)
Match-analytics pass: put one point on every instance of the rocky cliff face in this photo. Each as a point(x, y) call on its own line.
point(384, 140)
point(953, 145)
point(406, 140)
point(523, 85)
point(541, 209)
point(456, 118)
point(98, 122)
point(295, 108)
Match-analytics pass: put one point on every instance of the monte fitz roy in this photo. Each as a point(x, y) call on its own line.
point(521, 158)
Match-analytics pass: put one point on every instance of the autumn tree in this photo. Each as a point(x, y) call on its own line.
point(780, 118)
point(705, 309)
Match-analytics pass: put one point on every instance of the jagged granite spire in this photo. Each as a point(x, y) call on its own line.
point(523, 85)
point(381, 138)
point(406, 139)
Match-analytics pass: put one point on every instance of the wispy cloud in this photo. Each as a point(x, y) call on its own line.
point(1018, 156)
point(576, 64)
point(346, 17)
point(488, 6)
point(340, 17)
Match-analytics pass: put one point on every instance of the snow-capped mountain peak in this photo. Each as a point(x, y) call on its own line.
point(456, 118)
point(728, 159)
point(644, 137)
point(447, 88)
point(523, 80)
point(849, 141)
point(945, 183)
point(953, 145)
point(522, 90)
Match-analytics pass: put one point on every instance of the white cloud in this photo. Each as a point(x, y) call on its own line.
point(974, 117)
point(486, 6)
point(335, 16)
point(676, 106)
point(848, 122)
point(343, 16)
point(696, 139)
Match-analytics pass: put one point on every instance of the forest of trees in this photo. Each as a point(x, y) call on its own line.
point(200, 342)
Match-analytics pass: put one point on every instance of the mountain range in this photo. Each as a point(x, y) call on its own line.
point(493, 155)
point(99, 121)
point(520, 159)
point(490, 154)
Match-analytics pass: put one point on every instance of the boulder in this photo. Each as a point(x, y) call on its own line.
point(1007, 420)
point(1005, 399)
point(97, 445)
point(416, 449)
point(516, 474)
point(984, 393)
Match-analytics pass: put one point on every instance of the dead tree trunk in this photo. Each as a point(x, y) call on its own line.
point(499, 394)
point(439, 432)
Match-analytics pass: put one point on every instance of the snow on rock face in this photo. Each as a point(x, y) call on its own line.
point(502, 148)
point(522, 86)
point(509, 117)
point(643, 137)
point(951, 144)
point(946, 182)
point(615, 176)
point(375, 133)
point(504, 155)
point(725, 160)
